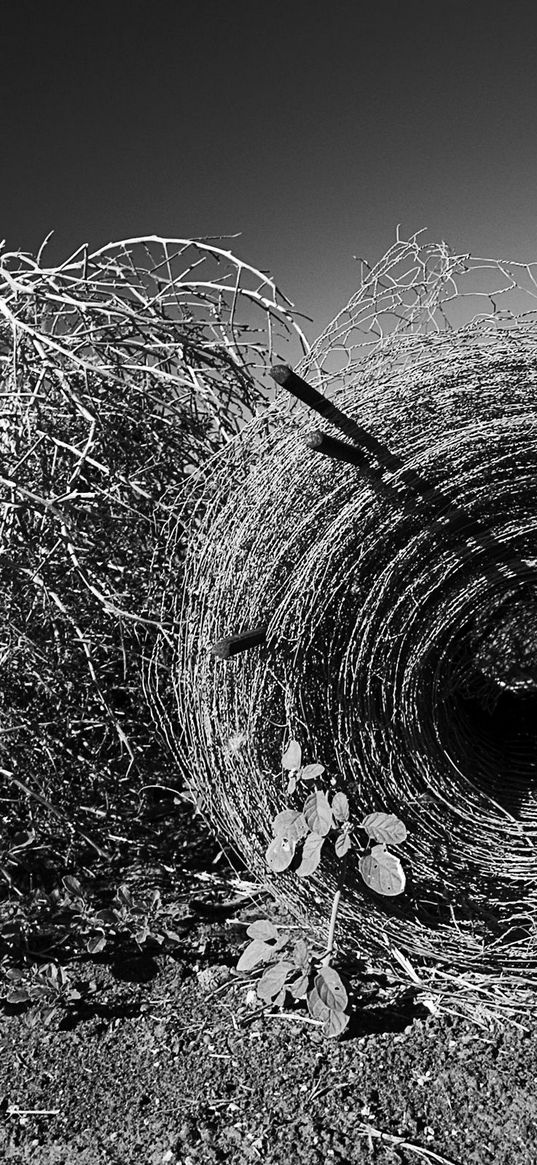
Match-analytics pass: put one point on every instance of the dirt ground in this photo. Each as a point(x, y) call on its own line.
point(167, 1060)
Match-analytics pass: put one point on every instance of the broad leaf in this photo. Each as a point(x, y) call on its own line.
point(311, 772)
point(301, 954)
point(290, 823)
point(172, 935)
point(284, 820)
point(123, 895)
point(72, 885)
point(330, 989)
point(316, 1007)
point(318, 813)
point(108, 916)
point(42, 991)
point(385, 827)
point(382, 872)
point(335, 1024)
point(262, 929)
point(96, 944)
point(256, 952)
point(292, 756)
point(299, 986)
point(311, 855)
point(272, 981)
point(281, 941)
point(340, 807)
point(18, 995)
point(291, 785)
point(343, 844)
point(280, 853)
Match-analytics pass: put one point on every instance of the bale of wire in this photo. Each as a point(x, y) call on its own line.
point(121, 371)
point(396, 602)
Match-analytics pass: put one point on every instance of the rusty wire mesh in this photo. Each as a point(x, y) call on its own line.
point(400, 612)
point(121, 370)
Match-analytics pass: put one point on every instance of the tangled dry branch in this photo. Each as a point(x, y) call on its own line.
point(121, 371)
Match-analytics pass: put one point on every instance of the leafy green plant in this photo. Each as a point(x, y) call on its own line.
point(292, 967)
point(135, 918)
point(381, 870)
point(49, 985)
point(69, 919)
point(79, 920)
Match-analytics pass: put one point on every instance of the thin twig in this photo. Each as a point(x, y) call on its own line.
point(419, 1150)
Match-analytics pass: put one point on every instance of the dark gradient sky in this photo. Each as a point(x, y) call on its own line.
point(311, 128)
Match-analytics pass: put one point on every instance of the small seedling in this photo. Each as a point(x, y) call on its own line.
point(292, 761)
point(294, 968)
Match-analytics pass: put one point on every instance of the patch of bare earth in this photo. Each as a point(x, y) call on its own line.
point(165, 1061)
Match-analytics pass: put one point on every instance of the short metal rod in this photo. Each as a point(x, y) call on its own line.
point(233, 644)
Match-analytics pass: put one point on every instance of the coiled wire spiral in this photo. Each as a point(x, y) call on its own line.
point(400, 610)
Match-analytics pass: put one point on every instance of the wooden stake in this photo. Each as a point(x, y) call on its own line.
point(321, 443)
point(309, 396)
point(283, 374)
point(411, 490)
point(233, 644)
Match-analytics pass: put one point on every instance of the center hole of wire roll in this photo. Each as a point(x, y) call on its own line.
point(491, 729)
point(501, 750)
point(487, 728)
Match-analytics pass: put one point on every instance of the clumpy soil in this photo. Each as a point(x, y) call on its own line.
point(168, 1060)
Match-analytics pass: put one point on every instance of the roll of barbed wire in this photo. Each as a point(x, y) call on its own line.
point(121, 370)
point(395, 593)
